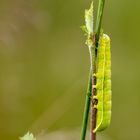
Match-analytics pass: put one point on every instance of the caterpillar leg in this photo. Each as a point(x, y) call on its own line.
point(94, 86)
point(95, 97)
point(95, 106)
point(94, 74)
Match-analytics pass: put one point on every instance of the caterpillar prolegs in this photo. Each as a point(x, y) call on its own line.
point(103, 84)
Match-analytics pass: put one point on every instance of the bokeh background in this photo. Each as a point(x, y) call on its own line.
point(44, 68)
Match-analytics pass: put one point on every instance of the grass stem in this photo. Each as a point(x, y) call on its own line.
point(87, 107)
point(94, 54)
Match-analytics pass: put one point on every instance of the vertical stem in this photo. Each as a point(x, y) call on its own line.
point(99, 19)
point(94, 57)
point(87, 107)
point(93, 110)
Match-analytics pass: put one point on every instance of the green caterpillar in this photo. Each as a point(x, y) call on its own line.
point(103, 85)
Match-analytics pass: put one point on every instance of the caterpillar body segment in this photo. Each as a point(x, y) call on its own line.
point(103, 84)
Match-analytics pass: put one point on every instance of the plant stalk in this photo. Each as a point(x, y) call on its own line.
point(87, 107)
point(99, 20)
point(94, 57)
point(93, 102)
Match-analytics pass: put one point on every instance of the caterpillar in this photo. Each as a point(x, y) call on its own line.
point(103, 84)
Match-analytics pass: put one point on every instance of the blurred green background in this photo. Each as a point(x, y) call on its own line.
point(44, 66)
